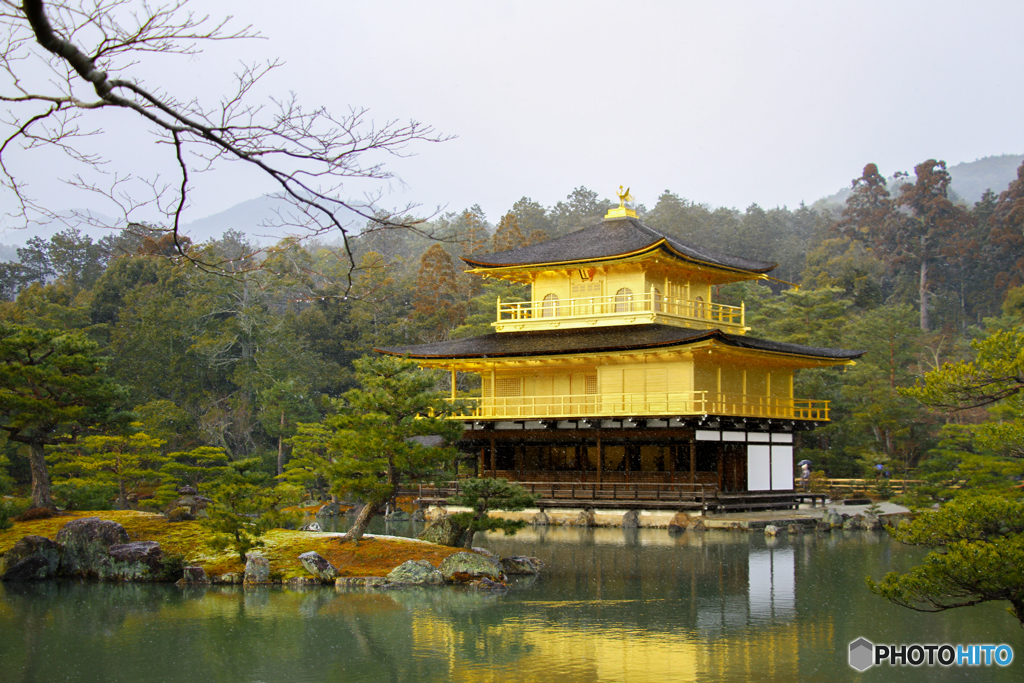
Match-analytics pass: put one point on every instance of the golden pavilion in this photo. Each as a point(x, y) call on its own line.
point(622, 368)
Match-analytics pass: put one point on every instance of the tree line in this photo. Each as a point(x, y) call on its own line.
point(235, 358)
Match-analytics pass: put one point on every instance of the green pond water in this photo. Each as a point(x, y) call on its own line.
point(612, 605)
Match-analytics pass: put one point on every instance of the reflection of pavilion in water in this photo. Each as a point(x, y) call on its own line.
point(723, 609)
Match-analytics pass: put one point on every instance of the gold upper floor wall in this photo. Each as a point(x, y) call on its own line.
point(620, 294)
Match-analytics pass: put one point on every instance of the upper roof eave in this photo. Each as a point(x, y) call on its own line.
point(610, 240)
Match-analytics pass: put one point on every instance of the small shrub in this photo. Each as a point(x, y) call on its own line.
point(34, 513)
point(172, 568)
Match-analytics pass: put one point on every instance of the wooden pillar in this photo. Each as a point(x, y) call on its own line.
point(483, 460)
point(600, 459)
point(494, 470)
point(520, 456)
point(693, 462)
point(673, 453)
point(454, 383)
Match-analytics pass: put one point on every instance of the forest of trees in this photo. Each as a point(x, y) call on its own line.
point(225, 363)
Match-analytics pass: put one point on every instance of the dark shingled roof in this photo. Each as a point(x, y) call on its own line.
point(588, 340)
point(607, 239)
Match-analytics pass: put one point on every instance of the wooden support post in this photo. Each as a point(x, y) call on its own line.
point(494, 471)
point(454, 378)
point(600, 459)
point(693, 462)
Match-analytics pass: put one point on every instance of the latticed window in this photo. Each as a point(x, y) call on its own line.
point(624, 300)
point(583, 295)
point(549, 307)
point(590, 384)
point(508, 386)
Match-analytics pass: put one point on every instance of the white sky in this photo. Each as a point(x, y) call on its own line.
point(726, 103)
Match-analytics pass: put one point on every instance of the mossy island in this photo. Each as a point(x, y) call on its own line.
point(184, 545)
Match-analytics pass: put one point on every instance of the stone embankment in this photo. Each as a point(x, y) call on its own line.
point(861, 517)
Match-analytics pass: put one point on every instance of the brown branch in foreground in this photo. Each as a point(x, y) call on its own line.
point(308, 154)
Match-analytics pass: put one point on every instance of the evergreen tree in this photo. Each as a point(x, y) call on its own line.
point(391, 431)
point(484, 495)
point(123, 462)
point(53, 389)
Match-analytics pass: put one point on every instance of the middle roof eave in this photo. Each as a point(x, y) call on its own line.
point(604, 339)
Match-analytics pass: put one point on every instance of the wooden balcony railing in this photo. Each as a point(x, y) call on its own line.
point(591, 494)
point(651, 404)
point(652, 304)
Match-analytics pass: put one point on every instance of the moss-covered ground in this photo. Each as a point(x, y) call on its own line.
point(375, 556)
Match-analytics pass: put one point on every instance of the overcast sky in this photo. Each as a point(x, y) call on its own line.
point(725, 103)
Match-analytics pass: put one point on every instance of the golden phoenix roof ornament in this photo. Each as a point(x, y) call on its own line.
point(624, 197)
point(622, 211)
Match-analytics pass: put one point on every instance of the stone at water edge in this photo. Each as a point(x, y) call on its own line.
point(87, 544)
point(230, 578)
point(445, 531)
point(771, 530)
point(521, 565)
point(193, 575)
point(318, 566)
point(135, 561)
point(416, 573)
point(679, 523)
point(540, 519)
point(464, 567)
point(487, 553)
point(698, 524)
point(257, 568)
point(853, 523)
point(329, 510)
point(872, 523)
point(631, 520)
point(33, 558)
point(585, 518)
point(824, 525)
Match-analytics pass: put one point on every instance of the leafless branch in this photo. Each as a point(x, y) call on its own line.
point(308, 153)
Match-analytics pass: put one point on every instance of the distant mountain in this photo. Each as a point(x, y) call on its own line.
point(970, 180)
point(256, 218)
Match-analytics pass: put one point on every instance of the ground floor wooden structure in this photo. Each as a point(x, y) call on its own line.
point(709, 464)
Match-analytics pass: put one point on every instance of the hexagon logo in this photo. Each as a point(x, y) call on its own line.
point(862, 654)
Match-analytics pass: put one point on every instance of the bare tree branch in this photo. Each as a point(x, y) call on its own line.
point(308, 153)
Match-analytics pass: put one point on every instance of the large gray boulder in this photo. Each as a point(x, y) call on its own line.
point(257, 568)
point(87, 544)
point(33, 558)
point(465, 567)
point(445, 531)
point(521, 565)
point(416, 573)
point(138, 561)
point(319, 567)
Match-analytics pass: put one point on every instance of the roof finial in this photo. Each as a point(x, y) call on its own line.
point(624, 197)
point(622, 211)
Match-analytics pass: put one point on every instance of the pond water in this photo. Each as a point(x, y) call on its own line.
point(612, 605)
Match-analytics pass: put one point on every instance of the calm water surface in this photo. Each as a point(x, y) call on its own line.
point(613, 605)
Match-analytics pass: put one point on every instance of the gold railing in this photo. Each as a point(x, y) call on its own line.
point(650, 404)
point(617, 305)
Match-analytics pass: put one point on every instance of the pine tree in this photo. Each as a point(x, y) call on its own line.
point(391, 431)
